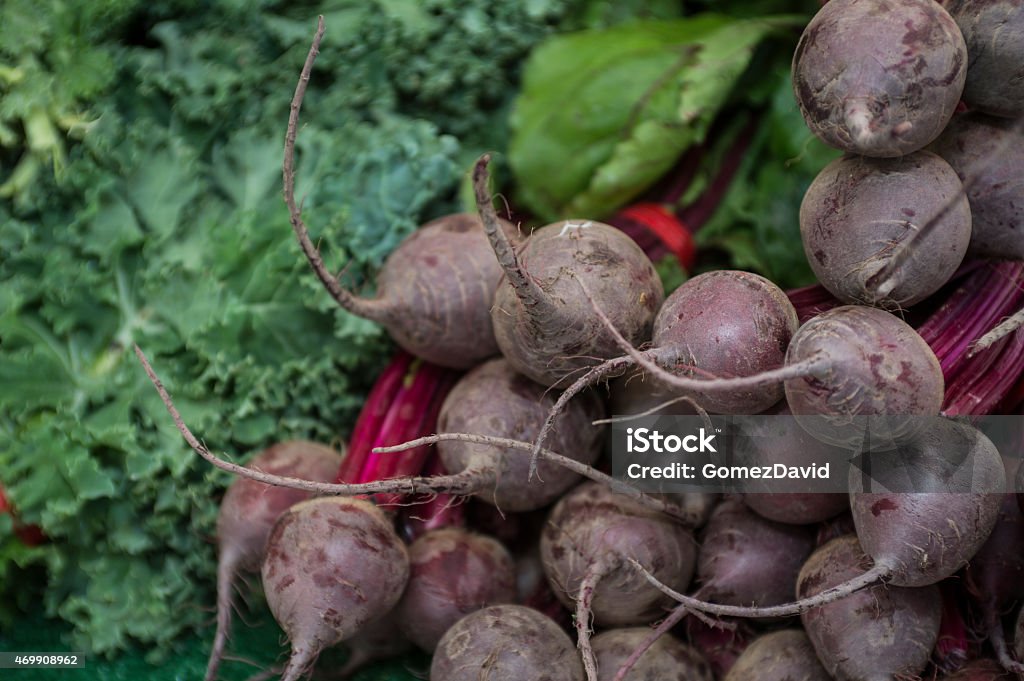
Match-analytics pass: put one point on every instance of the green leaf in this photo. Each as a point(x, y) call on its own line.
point(604, 113)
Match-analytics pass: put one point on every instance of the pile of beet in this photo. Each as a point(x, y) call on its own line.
point(472, 516)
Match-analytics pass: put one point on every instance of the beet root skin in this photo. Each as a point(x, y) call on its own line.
point(882, 632)
point(453, 572)
point(980, 670)
point(875, 364)
point(591, 526)
point(727, 323)
point(668, 659)
point(785, 655)
point(747, 560)
point(856, 212)
point(436, 289)
point(924, 536)
point(495, 400)
point(549, 346)
point(879, 78)
point(990, 152)
point(333, 564)
point(249, 508)
point(993, 31)
point(504, 642)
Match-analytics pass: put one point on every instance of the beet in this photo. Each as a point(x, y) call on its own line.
point(873, 364)
point(333, 565)
point(921, 537)
point(980, 670)
point(435, 290)
point(505, 642)
point(668, 659)
point(988, 155)
point(785, 655)
point(495, 400)
point(747, 560)
point(882, 632)
point(452, 573)
point(858, 211)
point(993, 31)
point(589, 529)
point(248, 512)
point(878, 77)
point(541, 321)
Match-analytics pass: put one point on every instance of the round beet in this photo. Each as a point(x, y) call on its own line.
point(726, 323)
point(333, 564)
point(551, 344)
point(776, 437)
point(882, 632)
point(668, 659)
point(994, 33)
point(857, 213)
point(542, 321)
point(495, 400)
point(921, 537)
point(505, 642)
point(875, 370)
point(248, 512)
point(879, 78)
point(435, 291)
point(589, 534)
point(785, 655)
point(747, 560)
point(452, 573)
point(988, 153)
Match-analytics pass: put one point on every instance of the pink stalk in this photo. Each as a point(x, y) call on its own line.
point(413, 414)
point(372, 416)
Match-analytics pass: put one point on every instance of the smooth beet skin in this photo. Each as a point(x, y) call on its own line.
point(994, 33)
point(453, 573)
point(436, 289)
point(858, 211)
point(876, 634)
point(873, 364)
point(747, 560)
point(786, 655)
point(989, 152)
point(668, 659)
point(949, 482)
point(494, 400)
point(333, 565)
point(505, 642)
point(879, 78)
point(727, 323)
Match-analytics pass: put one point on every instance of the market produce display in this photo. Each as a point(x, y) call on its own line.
point(557, 219)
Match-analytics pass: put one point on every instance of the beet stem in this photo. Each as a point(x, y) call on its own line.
point(583, 611)
point(874, 576)
point(598, 372)
point(1003, 329)
point(227, 568)
point(464, 483)
point(687, 517)
point(533, 298)
point(666, 625)
point(374, 310)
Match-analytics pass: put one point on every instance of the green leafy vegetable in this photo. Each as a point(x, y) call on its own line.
point(604, 113)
